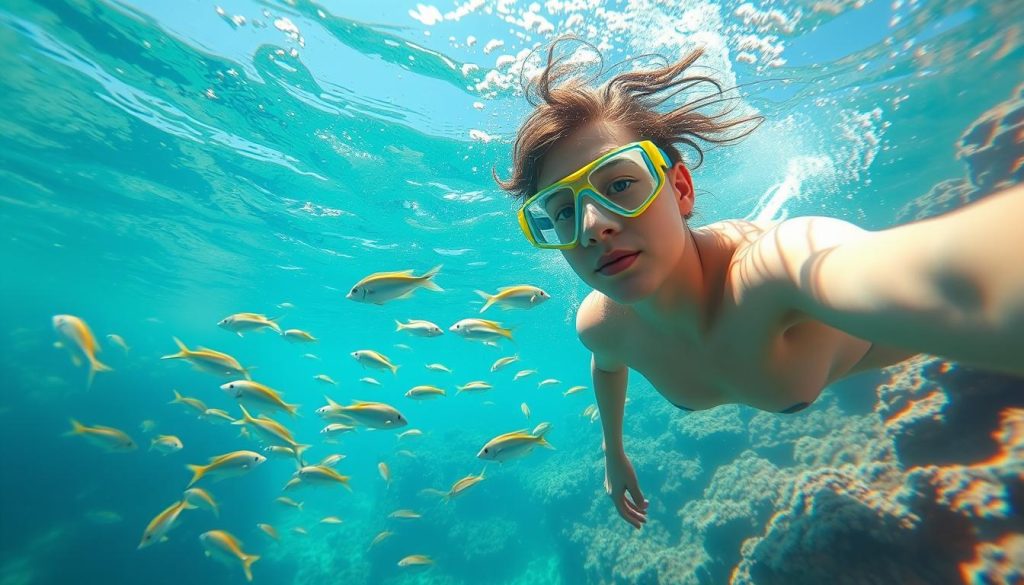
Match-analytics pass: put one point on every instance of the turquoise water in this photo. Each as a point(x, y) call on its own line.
point(164, 165)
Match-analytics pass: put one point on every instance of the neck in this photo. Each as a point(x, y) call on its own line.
point(688, 298)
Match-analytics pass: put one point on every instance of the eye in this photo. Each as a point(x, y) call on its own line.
point(565, 214)
point(619, 185)
point(487, 450)
point(355, 290)
point(231, 385)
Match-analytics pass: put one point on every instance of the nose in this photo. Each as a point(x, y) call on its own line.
point(597, 223)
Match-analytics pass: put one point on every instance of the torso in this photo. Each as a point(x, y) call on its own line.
point(753, 353)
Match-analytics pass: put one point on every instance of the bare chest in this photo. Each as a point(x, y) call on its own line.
point(767, 367)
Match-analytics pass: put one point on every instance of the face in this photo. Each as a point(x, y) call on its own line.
point(627, 259)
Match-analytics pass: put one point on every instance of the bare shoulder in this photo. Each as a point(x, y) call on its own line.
point(600, 322)
point(782, 252)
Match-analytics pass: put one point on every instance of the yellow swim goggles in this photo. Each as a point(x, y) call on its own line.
point(625, 181)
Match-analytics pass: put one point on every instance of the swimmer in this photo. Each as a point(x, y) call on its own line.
point(765, 314)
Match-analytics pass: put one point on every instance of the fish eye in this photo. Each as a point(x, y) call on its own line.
point(231, 385)
point(355, 290)
point(487, 450)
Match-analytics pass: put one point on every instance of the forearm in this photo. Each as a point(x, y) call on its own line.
point(610, 391)
point(951, 286)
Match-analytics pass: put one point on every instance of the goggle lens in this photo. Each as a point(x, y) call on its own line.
point(624, 183)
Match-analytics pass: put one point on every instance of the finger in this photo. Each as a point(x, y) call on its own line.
point(639, 501)
point(630, 514)
point(627, 516)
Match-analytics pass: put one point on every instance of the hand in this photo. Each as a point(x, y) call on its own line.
point(620, 478)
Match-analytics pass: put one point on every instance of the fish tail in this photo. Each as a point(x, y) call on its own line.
point(247, 565)
point(77, 428)
point(198, 471)
point(275, 326)
point(299, 450)
point(394, 369)
point(490, 299)
point(182, 353)
point(428, 279)
point(291, 408)
point(246, 417)
point(95, 365)
point(398, 326)
point(544, 443)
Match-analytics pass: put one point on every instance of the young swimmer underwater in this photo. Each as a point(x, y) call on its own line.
point(762, 314)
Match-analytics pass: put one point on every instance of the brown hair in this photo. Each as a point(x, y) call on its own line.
point(564, 102)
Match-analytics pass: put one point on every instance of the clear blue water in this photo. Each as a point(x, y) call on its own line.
point(162, 167)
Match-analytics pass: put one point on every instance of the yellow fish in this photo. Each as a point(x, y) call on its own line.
point(381, 536)
point(424, 392)
point(481, 330)
point(320, 475)
point(286, 501)
point(464, 484)
point(501, 363)
point(376, 415)
point(513, 445)
point(548, 382)
point(330, 520)
point(299, 335)
point(405, 514)
point(526, 409)
point(258, 394)
point(385, 473)
point(325, 379)
point(76, 331)
point(413, 560)
point(201, 498)
point(243, 322)
point(217, 416)
point(521, 296)
point(118, 341)
point(373, 359)
point(477, 385)
point(409, 433)
point(381, 287)
point(209, 360)
point(193, 403)
point(269, 530)
point(159, 526)
point(331, 460)
point(272, 432)
point(369, 380)
point(226, 465)
point(419, 328)
point(523, 374)
point(108, 438)
point(439, 368)
point(165, 444)
point(574, 390)
point(223, 546)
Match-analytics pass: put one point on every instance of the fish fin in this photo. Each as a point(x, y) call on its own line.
point(198, 471)
point(177, 397)
point(394, 369)
point(544, 443)
point(75, 360)
point(183, 351)
point(247, 565)
point(398, 325)
point(490, 299)
point(331, 402)
point(77, 428)
point(96, 366)
point(428, 279)
point(291, 408)
point(187, 505)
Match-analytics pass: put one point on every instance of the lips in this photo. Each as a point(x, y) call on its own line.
point(614, 259)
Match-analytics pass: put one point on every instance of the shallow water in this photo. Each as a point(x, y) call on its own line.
point(164, 165)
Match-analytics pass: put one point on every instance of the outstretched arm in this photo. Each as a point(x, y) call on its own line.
point(951, 286)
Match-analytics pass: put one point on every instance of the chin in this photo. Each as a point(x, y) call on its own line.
point(627, 288)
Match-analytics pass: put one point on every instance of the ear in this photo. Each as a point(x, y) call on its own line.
point(679, 177)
